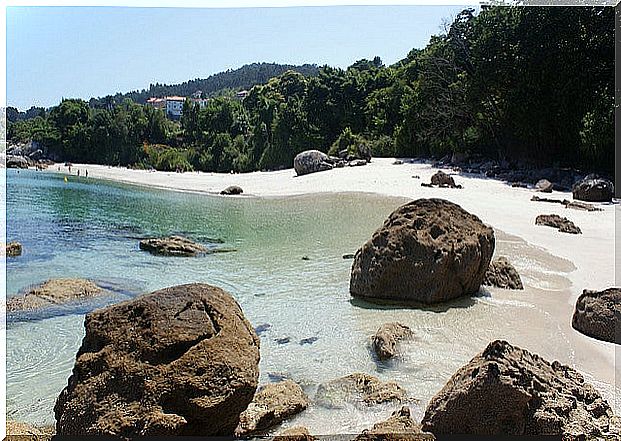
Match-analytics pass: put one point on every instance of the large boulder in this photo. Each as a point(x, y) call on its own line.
point(54, 292)
point(179, 361)
point(598, 314)
point(312, 161)
point(272, 404)
point(387, 337)
point(16, 162)
point(441, 179)
point(563, 224)
point(399, 427)
point(544, 186)
point(593, 189)
point(502, 274)
point(506, 390)
point(232, 190)
point(428, 251)
point(172, 246)
point(358, 388)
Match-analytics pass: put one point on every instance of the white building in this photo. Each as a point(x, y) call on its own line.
point(174, 106)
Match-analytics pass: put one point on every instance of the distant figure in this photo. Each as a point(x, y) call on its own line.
point(69, 169)
point(78, 172)
point(59, 168)
point(87, 173)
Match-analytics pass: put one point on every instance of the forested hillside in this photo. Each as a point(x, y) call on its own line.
point(513, 83)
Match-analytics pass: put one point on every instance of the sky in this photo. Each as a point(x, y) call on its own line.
point(83, 52)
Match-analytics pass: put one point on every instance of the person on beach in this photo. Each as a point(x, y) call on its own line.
point(86, 173)
point(78, 172)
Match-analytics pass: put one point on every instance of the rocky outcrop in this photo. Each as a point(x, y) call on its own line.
point(312, 161)
point(387, 337)
point(232, 190)
point(428, 251)
point(13, 161)
point(544, 186)
point(593, 189)
point(13, 249)
point(507, 390)
point(179, 361)
point(563, 224)
point(358, 388)
point(172, 246)
point(598, 314)
point(25, 432)
point(502, 274)
point(53, 292)
point(272, 404)
point(441, 179)
point(399, 427)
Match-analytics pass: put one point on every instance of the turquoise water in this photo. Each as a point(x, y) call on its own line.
point(311, 331)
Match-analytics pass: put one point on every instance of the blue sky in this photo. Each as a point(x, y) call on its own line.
point(55, 52)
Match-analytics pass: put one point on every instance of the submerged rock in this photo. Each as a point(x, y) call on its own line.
point(502, 274)
point(387, 337)
point(13, 249)
point(232, 190)
point(312, 161)
point(598, 314)
point(172, 246)
point(53, 292)
point(506, 390)
point(593, 189)
point(399, 427)
point(272, 404)
point(563, 224)
point(428, 251)
point(357, 388)
point(179, 361)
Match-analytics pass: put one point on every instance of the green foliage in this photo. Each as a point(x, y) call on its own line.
point(350, 144)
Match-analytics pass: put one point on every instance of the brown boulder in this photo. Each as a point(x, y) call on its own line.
point(357, 388)
point(593, 189)
point(25, 432)
point(232, 190)
point(428, 251)
point(172, 246)
point(178, 361)
point(598, 314)
point(385, 340)
point(13, 249)
point(506, 390)
point(272, 404)
point(563, 224)
point(441, 179)
point(400, 426)
point(53, 292)
point(297, 433)
point(502, 274)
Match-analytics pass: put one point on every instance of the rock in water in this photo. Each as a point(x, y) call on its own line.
point(387, 337)
point(502, 274)
point(311, 161)
point(428, 251)
point(179, 361)
point(506, 390)
point(53, 292)
point(232, 190)
point(357, 388)
point(563, 224)
point(13, 249)
point(272, 404)
point(598, 314)
point(593, 189)
point(172, 246)
point(544, 186)
point(399, 427)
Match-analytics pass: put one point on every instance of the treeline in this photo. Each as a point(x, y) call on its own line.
point(513, 83)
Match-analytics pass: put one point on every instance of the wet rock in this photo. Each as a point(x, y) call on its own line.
point(282, 340)
point(348, 256)
point(577, 205)
point(563, 224)
point(502, 274)
point(272, 404)
point(312, 161)
point(179, 361)
point(13, 249)
point(387, 337)
point(232, 190)
point(308, 341)
point(399, 427)
point(593, 189)
point(358, 388)
point(297, 433)
point(553, 201)
point(260, 329)
point(172, 246)
point(544, 186)
point(54, 292)
point(598, 314)
point(19, 431)
point(507, 390)
point(428, 251)
point(441, 179)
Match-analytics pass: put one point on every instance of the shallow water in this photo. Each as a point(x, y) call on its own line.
point(88, 228)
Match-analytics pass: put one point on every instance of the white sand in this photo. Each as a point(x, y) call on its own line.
point(496, 203)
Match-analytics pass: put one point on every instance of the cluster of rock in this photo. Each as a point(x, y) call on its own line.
point(399, 427)
point(598, 314)
point(563, 224)
point(26, 155)
point(428, 251)
point(54, 292)
point(358, 388)
point(313, 161)
point(502, 274)
point(576, 205)
point(13, 249)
